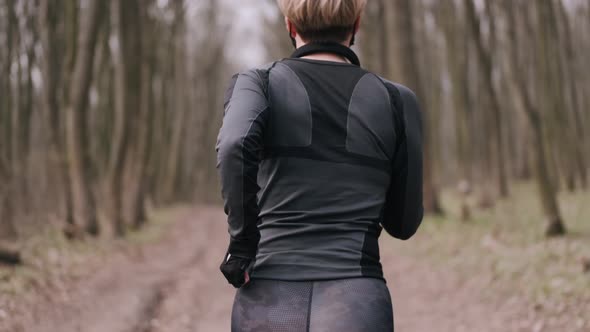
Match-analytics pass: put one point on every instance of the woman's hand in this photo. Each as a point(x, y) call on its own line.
point(236, 270)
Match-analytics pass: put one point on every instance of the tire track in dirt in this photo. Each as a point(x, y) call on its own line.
point(200, 299)
point(145, 319)
point(125, 292)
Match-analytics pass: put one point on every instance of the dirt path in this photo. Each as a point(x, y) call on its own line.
point(175, 286)
point(430, 299)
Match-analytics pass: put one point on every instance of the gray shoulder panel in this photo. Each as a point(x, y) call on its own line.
point(247, 98)
point(290, 120)
point(412, 113)
point(370, 129)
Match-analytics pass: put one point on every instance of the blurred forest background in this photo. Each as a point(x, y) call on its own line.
point(109, 110)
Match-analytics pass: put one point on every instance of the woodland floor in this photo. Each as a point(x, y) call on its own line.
point(173, 285)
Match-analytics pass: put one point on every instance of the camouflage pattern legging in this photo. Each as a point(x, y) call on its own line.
point(351, 305)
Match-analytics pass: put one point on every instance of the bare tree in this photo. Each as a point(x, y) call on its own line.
point(108, 125)
point(146, 123)
point(407, 37)
point(485, 59)
point(545, 188)
point(568, 67)
point(457, 40)
point(128, 94)
point(76, 115)
point(7, 229)
point(51, 66)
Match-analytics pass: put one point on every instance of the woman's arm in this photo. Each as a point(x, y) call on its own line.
point(239, 146)
point(403, 209)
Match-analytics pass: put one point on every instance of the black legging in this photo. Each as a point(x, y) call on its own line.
point(351, 305)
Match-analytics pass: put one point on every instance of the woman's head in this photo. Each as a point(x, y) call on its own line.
point(322, 20)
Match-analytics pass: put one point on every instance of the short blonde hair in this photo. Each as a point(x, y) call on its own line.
point(318, 20)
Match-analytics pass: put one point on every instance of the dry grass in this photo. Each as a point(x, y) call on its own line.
point(506, 245)
point(50, 259)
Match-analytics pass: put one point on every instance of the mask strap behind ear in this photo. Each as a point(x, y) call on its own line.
point(353, 40)
point(293, 41)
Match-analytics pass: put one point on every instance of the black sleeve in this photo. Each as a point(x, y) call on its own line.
point(403, 210)
point(239, 146)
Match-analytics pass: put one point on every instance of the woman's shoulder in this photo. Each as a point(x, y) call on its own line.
point(403, 97)
point(258, 75)
point(258, 70)
point(403, 90)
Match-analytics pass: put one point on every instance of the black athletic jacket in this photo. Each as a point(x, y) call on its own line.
point(316, 157)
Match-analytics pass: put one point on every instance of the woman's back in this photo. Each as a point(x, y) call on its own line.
point(328, 134)
point(328, 147)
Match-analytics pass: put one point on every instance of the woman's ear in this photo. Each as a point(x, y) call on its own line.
point(355, 29)
point(357, 25)
point(290, 28)
point(292, 32)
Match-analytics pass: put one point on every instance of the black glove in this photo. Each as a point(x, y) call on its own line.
point(236, 270)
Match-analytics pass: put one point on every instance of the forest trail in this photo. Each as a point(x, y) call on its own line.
point(174, 286)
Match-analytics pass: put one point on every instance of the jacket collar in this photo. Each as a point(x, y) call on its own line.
point(327, 47)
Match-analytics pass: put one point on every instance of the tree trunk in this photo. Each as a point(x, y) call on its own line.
point(407, 37)
point(384, 48)
point(29, 102)
point(17, 169)
point(546, 190)
point(546, 16)
point(77, 123)
point(127, 98)
point(145, 131)
point(570, 61)
point(7, 227)
point(485, 60)
point(179, 106)
point(457, 53)
point(51, 70)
